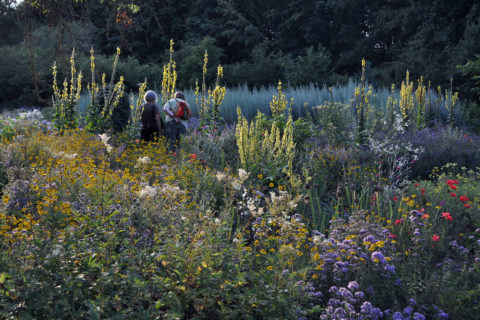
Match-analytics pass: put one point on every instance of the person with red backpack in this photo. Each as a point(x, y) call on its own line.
point(152, 123)
point(178, 112)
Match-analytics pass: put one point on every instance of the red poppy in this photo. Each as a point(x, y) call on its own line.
point(449, 182)
point(395, 198)
point(447, 216)
point(453, 194)
point(374, 198)
point(398, 221)
point(455, 181)
point(423, 191)
point(435, 237)
point(391, 235)
point(467, 205)
point(416, 184)
point(453, 187)
point(464, 198)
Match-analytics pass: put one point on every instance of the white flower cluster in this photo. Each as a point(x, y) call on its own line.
point(104, 137)
point(31, 115)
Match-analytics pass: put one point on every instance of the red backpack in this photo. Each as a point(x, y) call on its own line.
point(183, 110)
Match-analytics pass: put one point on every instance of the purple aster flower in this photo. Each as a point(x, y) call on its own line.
point(408, 310)
point(412, 302)
point(353, 285)
point(416, 232)
point(397, 316)
point(377, 255)
point(390, 268)
point(333, 290)
point(418, 316)
point(442, 315)
point(359, 295)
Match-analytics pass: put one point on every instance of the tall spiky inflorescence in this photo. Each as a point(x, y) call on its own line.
point(421, 98)
point(66, 101)
point(100, 115)
point(169, 80)
point(361, 106)
point(218, 94)
point(279, 103)
point(392, 103)
point(259, 147)
point(406, 99)
point(450, 102)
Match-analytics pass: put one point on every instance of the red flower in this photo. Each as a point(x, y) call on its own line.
point(416, 184)
point(423, 191)
point(464, 198)
point(453, 194)
point(435, 237)
point(453, 187)
point(465, 135)
point(447, 216)
point(374, 198)
point(395, 198)
point(455, 181)
point(467, 205)
point(398, 221)
point(391, 235)
point(193, 156)
point(449, 182)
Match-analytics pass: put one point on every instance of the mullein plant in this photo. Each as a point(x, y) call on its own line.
point(272, 149)
point(135, 111)
point(406, 102)
point(102, 104)
point(421, 99)
point(208, 97)
point(66, 101)
point(450, 102)
point(169, 77)
point(392, 103)
point(362, 106)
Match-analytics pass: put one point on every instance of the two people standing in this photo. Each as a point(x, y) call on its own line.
point(177, 113)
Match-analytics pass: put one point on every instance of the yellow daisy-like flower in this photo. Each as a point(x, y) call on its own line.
point(271, 185)
point(280, 188)
point(260, 176)
point(5, 199)
point(314, 276)
point(299, 253)
point(269, 268)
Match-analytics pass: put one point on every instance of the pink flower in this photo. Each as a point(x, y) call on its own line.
point(453, 194)
point(467, 205)
point(447, 216)
point(435, 237)
point(398, 221)
point(391, 235)
point(464, 198)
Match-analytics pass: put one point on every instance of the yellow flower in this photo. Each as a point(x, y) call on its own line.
point(299, 253)
point(280, 188)
point(269, 268)
point(260, 176)
point(271, 185)
point(314, 276)
point(5, 199)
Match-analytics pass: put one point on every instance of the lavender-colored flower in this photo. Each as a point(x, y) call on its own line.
point(416, 232)
point(377, 255)
point(418, 316)
point(397, 316)
point(408, 310)
point(359, 295)
point(442, 315)
point(353, 285)
point(390, 268)
point(333, 290)
point(412, 302)
point(344, 293)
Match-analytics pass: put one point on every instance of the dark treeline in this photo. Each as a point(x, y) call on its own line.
point(257, 41)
